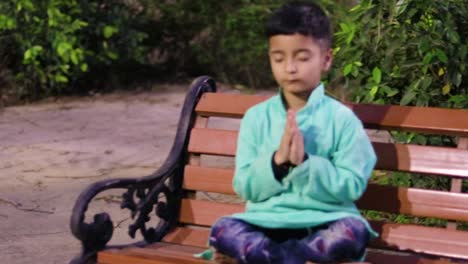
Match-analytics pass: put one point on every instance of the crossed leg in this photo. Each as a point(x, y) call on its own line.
point(236, 241)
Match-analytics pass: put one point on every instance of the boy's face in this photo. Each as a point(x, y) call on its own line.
point(297, 62)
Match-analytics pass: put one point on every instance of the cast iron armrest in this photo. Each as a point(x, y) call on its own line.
point(143, 195)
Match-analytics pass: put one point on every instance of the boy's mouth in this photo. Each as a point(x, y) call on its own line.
point(292, 81)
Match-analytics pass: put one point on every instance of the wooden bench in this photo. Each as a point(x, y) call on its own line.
point(181, 192)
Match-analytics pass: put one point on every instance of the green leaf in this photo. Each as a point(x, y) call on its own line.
point(374, 91)
point(457, 79)
point(109, 31)
point(377, 75)
point(407, 98)
point(63, 48)
point(427, 58)
point(74, 57)
point(336, 50)
point(32, 53)
point(112, 55)
point(441, 55)
point(28, 55)
point(64, 68)
point(453, 36)
point(441, 72)
point(390, 91)
point(7, 23)
point(420, 140)
point(357, 63)
point(424, 45)
point(347, 69)
point(344, 27)
point(446, 89)
point(61, 78)
point(355, 72)
point(84, 67)
point(426, 82)
point(401, 7)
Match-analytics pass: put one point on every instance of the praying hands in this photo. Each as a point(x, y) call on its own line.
point(291, 149)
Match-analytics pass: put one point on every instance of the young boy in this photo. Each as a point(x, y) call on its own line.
point(302, 159)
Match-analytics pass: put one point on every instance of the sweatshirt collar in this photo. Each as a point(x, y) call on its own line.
point(314, 99)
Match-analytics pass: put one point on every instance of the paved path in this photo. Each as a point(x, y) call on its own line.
point(49, 152)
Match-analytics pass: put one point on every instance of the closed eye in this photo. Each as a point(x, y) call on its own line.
point(277, 59)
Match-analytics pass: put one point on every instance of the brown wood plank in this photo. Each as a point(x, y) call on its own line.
point(398, 157)
point(417, 202)
point(157, 253)
point(195, 236)
point(389, 117)
point(195, 211)
point(189, 236)
point(394, 117)
point(456, 184)
point(422, 159)
point(208, 179)
point(409, 238)
point(421, 239)
point(106, 257)
point(391, 257)
point(227, 105)
point(412, 201)
point(213, 141)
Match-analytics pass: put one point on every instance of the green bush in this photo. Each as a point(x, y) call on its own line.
point(223, 38)
point(50, 45)
point(408, 52)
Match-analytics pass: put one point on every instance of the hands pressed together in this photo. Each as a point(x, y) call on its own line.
point(291, 149)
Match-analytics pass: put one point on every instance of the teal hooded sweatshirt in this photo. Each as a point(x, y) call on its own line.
point(320, 190)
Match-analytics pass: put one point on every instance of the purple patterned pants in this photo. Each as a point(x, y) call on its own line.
point(342, 240)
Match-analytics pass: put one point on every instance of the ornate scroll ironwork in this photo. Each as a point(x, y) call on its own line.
point(160, 191)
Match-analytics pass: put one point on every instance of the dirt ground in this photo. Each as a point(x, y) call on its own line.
point(50, 151)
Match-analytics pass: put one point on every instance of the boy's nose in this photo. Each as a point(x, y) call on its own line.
point(291, 67)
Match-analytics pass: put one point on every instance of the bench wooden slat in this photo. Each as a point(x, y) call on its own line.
point(389, 257)
point(194, 211)
point(213, 141)
point(409, 158)
point(422, 239)
point(428, 240)
point(188, 236)
point(227, 105)
point(418, 202)
point(160, 253)
point(157, 253)
point(208, 179)
point(411, 201)
point(373, 116)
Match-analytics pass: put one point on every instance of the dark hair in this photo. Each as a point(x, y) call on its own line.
point(305, 18)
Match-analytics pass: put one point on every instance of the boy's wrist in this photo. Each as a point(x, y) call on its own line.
point(279, 170)
point(279, 161)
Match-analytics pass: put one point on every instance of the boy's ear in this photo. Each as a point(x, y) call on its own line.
point(328, 60)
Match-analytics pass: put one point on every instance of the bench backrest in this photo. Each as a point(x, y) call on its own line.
point(208, 186)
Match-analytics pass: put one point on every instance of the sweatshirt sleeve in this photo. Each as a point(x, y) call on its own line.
point(254, 179)
point(343, 177)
